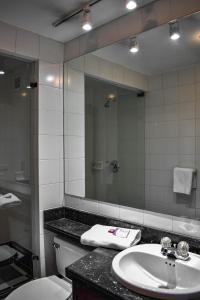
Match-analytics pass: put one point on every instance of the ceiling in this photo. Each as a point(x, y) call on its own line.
point(158, 53)
point(38, 15)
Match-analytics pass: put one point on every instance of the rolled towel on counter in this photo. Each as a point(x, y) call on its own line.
point(183, 179)
point(111, 237)
point(9, 200)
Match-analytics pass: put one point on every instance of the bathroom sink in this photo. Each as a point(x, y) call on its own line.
point(145, 270)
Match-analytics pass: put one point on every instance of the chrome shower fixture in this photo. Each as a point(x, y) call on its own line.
point(110, 98)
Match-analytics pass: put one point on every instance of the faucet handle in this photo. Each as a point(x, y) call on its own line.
point(166, 242)
point(183, 249)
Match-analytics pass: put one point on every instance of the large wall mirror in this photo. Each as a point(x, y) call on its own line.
point(132, 116)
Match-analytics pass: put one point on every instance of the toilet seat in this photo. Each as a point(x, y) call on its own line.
point(50, 288)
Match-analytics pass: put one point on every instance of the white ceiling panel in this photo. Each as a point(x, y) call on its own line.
point(38, 15)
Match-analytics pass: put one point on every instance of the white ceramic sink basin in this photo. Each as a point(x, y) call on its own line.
point(145, 270)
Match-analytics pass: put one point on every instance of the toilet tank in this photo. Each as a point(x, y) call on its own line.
point(67, 253)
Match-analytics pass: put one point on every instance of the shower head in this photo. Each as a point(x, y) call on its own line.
point(110, 98)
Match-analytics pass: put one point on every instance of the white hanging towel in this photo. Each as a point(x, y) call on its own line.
point(183, 178)
point(111, 237)
point(9, 200)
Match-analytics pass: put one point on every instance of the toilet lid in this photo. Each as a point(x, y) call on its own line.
point(50, 288)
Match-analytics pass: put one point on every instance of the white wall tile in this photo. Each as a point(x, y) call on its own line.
point(163, 146)
point(74, 124)
point(51, 51)
point(8, 37)
point(170, 112)
point(91, 206)
point(74, 102)
point(187, 161)
point(160, 178)
point(92, 64)
point(105, 69)
point(41, 222)
point(170, 79)
point(187, 128)
point(162, 162)
point(49, 98)
point(49, 74)
point(118, 74)
point(131, 215)
point(61, 146)
point(171, 95)
point(50, 196)
point(76, 188)
point(27, 43)
point(197, 72)
point(155, 83)
point(107, 209)
point(187, 110)
point(197, 127)
point(76, 169)
point(164, 222)
point(187, 93)
point(186, 227)
point(50, 122)
point(49, 171)
point(186, 76)
point(74, 147)
point(49, 147)
point(73, 202)
point(198, 92)
point(75, 81)
point(187, 145)
point(78, 63)
point(154, 98)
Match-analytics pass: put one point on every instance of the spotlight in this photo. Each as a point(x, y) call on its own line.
point(131, 4)
point(174, 31)
point(134, 46)
point(2, 72)
point(50, 78)
point(87, 24)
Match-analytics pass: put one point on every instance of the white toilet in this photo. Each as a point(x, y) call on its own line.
point(53, 287)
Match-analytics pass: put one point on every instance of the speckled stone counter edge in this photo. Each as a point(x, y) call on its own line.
point(149, 235)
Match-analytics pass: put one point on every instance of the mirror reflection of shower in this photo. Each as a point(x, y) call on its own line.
point(16, 119)
point(114, 143)
point(110, 99)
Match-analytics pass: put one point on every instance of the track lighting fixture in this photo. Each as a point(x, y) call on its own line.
point(134, 46)
point(174, 31)
point(87, 24)
point(131, 4)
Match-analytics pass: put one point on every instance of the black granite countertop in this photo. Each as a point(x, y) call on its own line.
point(67, 227)
point(95, 268)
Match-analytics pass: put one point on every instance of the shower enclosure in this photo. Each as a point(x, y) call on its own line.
point(114, 143)
point(15, 180)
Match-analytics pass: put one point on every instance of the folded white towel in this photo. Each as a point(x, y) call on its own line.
point(183, 178)
point(111, 237)
point(9, 200)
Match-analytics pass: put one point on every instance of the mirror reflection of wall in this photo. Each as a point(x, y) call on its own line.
point(168, 71)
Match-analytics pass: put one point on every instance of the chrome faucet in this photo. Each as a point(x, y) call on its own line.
point(180, 251)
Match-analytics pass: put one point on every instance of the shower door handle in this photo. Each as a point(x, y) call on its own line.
point(115, 166)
